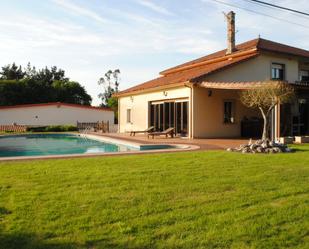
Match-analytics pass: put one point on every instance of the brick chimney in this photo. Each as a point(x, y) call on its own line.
point(230, 17)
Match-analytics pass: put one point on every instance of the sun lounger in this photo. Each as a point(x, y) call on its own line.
point(166, 133)
point(132, 133)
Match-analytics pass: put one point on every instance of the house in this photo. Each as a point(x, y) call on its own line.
point(200, 98)
point(53, 114)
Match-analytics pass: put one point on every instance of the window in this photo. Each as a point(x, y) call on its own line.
point(228, 117)
point(304, 75)
point(129, 120)
point(277, 71)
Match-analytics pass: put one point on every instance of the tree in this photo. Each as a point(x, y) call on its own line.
point(110, 83)
point(12, 72)
point(265, 97)
point(18, 86)
point(70, 92)
point(48, 76)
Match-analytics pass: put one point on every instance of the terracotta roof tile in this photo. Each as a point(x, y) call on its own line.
point(281, 48)
point(192, 70)
point(240, 48)
point(187, 75)
point(231, 85)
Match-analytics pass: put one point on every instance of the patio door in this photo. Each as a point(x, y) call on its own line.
point(181, 117)
point(169, 114)
point(157, 116)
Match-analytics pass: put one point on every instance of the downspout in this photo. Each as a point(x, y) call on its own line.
point(118, 115)
point(191, 114)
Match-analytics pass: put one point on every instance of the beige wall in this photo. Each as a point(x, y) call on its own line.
point(53, 115)
point(208, 113)
point(139, 107)
point(206, 117)
point(257, 69)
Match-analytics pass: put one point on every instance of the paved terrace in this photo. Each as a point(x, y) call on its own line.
point(205, 144)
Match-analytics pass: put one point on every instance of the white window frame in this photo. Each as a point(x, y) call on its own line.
point(129, 116)
point(303, 73)
point(278, 66)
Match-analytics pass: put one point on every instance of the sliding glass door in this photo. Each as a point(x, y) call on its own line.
point(181, 117)
point(169, 114)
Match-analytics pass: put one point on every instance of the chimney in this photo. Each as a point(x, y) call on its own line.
point(230, 17)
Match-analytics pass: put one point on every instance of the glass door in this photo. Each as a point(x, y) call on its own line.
point(181, 118)
point(169, 114)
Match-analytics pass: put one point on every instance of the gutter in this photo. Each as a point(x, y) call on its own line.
point(153, 89)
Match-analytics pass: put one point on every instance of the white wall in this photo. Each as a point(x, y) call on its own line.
point(139, 106)
point(53, 115)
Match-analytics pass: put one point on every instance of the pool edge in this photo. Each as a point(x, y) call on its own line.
point(174, 148)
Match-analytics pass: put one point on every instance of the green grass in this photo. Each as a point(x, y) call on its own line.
point(178, 200)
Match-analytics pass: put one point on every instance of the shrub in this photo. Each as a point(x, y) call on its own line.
point(36, 129)
point(53, 128)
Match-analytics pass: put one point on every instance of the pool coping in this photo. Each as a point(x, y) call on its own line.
point(174, 148)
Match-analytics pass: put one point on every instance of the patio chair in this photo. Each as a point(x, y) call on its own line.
point(166, 133)
point(132, 133)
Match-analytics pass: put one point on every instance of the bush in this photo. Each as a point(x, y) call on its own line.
point(37, 129)
point(53, 128)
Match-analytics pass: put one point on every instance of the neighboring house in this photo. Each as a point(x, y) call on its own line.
point(200, 98)
point(53, 114)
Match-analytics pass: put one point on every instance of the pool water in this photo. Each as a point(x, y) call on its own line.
point(55, 144)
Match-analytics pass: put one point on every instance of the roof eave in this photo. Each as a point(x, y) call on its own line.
point(152, 89)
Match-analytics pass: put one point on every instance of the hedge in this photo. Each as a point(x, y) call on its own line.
point(53, 128)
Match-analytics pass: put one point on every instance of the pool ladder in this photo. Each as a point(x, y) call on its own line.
point(84, 132)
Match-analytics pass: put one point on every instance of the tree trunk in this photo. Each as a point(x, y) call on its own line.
point(264, 135)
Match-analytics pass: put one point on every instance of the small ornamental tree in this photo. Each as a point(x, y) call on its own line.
point(265, 97)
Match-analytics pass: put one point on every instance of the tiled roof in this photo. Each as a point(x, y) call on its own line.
point(192, 70)
point(57, 104)
point(281, 48)
point(189, 74)
point(239, 48)
point(231, 85)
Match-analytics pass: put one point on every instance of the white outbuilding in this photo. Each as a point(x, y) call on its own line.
point(53, 114)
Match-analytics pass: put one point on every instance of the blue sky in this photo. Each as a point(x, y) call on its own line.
point(140, 37)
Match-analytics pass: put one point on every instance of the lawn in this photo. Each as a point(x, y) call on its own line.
point(177, 200)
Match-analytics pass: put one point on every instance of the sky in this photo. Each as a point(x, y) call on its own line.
point(86, 38)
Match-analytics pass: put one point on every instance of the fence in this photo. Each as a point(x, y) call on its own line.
point(13, 128)
point(104, 127)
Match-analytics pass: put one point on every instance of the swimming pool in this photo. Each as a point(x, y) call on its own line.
point(30, 145)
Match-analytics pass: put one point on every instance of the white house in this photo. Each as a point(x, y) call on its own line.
point(53, 114)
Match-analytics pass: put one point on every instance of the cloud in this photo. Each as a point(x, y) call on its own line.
point(155, 7)
point(139, 42)
point(80, 10)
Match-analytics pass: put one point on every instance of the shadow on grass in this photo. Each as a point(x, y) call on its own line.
point(31, 241)
point(300, 148)
point(4, 211)
point(20, 240)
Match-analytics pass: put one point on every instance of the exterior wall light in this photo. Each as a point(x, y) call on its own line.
point(209, 93)
point(165, 93)
point(131, 98)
